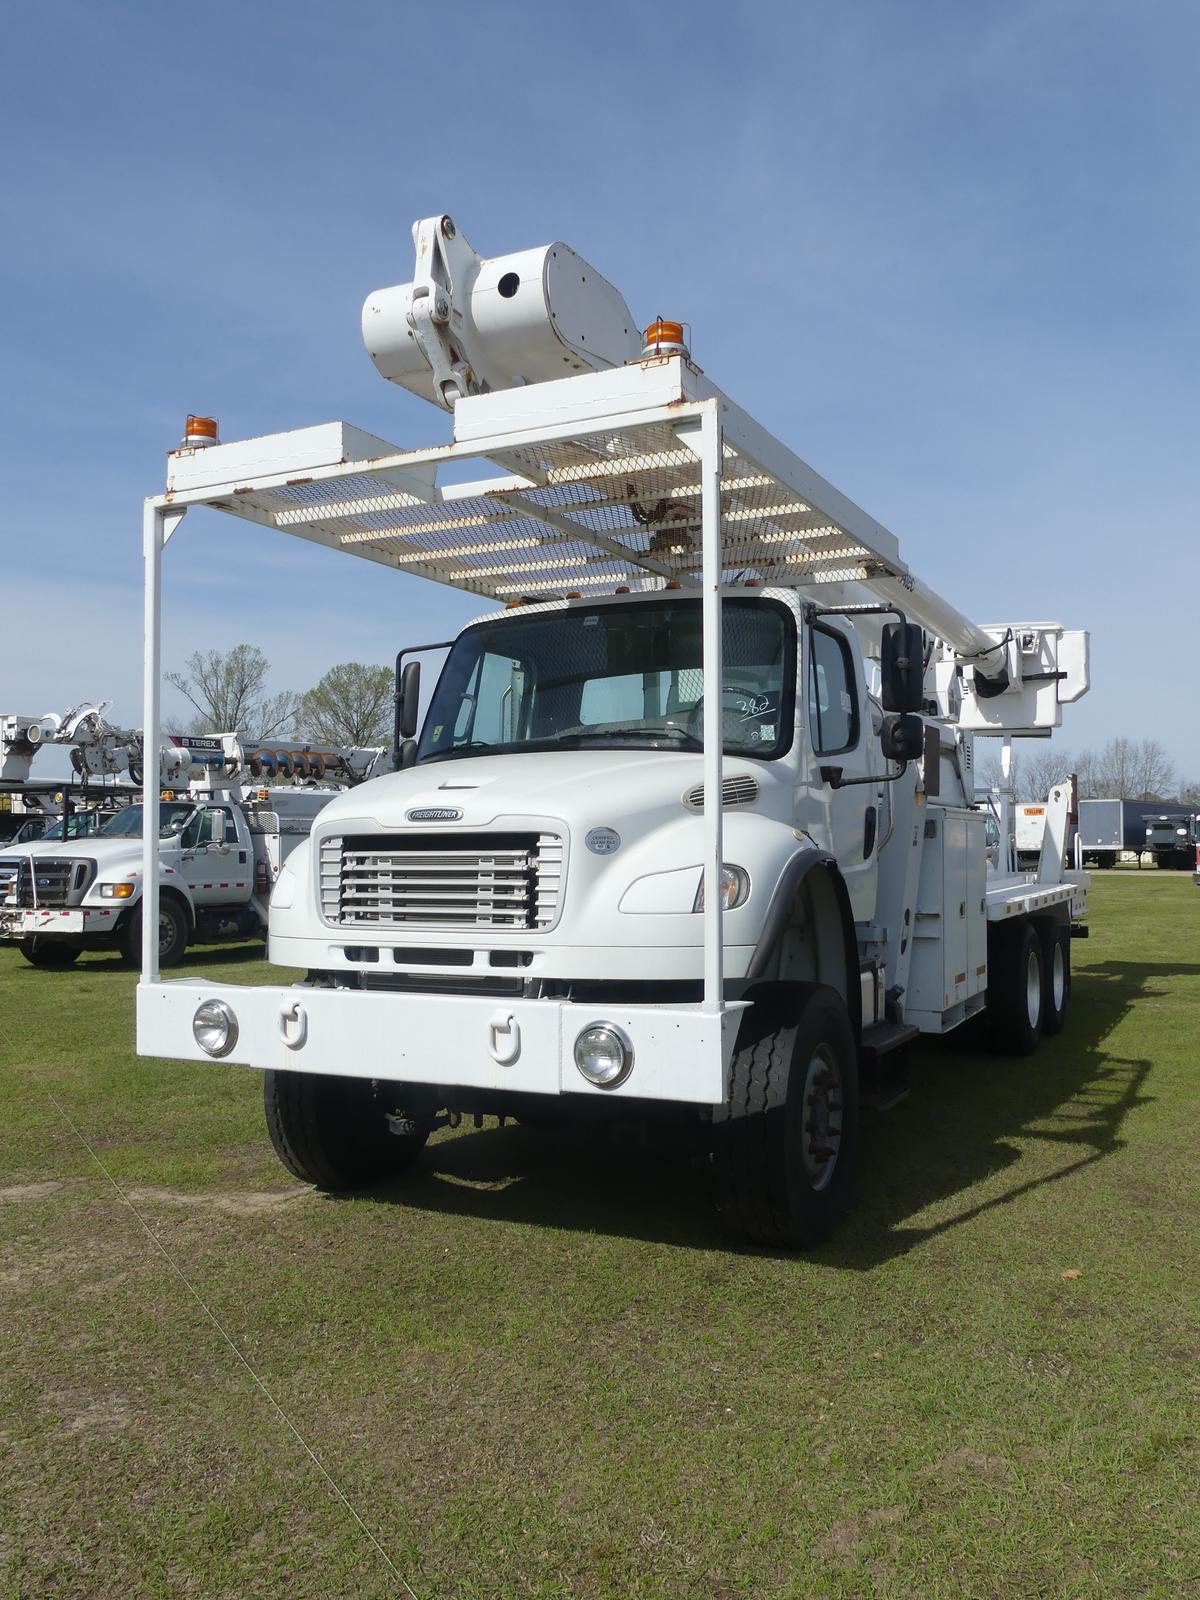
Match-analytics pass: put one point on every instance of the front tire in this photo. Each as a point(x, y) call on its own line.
point(173, 933)
point(333, 1131)
point(50, 953)
point(785, 1142)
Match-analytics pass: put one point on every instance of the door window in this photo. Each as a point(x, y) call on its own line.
point(832, 706)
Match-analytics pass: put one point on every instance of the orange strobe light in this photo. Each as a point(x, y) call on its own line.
point(199, 432)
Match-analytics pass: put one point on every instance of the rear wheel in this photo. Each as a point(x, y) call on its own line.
point(49, 952)
point(334, 1132)
point(1016, 990)
point(1056, 963)
point(786, 1140)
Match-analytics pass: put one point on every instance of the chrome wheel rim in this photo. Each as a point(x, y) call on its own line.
point(1058, 977)
point(1033, 989)
point(166, 930)
point(821, 1140)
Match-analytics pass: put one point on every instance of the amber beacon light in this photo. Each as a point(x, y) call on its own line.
point(199, 432)
point(663, 338)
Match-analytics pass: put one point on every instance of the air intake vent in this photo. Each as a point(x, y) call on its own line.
point(741, 790)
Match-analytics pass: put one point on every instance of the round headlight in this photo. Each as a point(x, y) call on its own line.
point(214, 1027)
point(604, 1055)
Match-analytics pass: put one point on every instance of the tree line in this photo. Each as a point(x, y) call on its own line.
point(228, 692)
point(1125, 769)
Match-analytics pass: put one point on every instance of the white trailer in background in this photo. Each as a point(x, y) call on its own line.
point(689, 827)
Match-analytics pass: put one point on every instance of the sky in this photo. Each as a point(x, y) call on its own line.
point(949, 254)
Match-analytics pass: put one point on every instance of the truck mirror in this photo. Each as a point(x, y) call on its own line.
point(902, 738)
point(902, 667)
point(409, 695)
point(217, 824)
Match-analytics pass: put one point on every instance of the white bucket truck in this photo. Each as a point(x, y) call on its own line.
point(222, 838)
point(689, 826)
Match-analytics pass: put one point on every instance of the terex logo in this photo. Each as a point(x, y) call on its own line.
point(434, 814)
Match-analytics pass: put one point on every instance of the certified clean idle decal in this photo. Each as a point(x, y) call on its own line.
point(603, 841)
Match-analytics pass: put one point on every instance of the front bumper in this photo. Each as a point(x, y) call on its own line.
point(72, 922)
point(681, 1053)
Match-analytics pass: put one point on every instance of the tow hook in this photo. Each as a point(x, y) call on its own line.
point(504, 1039)
point(293, 1025)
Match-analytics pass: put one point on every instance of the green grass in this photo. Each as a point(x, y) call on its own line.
point(542, 1371)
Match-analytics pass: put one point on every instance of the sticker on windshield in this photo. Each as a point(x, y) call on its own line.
point(766, 732)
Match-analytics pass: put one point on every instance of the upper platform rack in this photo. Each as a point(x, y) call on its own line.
point(595, 486)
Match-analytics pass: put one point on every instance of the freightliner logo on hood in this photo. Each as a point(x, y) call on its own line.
point(434, 814)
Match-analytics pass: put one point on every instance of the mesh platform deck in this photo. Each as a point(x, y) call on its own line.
point(610, 506)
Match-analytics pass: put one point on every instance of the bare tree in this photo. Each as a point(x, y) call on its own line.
point(1128, 769)
point(1041, 769)
point(1154, 772)
point(1189, 794)
point(229, 693)
point(352, 705)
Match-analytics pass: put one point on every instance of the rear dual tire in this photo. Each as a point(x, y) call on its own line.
point(1029, 985)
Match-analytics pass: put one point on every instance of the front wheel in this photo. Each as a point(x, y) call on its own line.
point(786, 1140)
point(49, 952)
point(172, 934)
point(334, 1132)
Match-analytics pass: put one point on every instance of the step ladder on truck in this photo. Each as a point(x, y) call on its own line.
point(689, 826)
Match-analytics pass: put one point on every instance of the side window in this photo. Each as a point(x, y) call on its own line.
point(494, 705)
point(199, 830)
point(832, 706)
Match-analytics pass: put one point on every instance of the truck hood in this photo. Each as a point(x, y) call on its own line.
point(598, 785)
point(110, 855)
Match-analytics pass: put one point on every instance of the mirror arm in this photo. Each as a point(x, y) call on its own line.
point(833, 777)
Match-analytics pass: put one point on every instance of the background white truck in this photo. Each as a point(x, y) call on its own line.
point(689, 830)
point(223, 837)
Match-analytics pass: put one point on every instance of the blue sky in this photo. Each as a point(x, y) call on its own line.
point(949, 253)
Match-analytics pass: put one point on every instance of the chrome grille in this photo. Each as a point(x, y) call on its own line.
point(464, 880)
point(740, 790)
point(8, 875)
point(45, 881)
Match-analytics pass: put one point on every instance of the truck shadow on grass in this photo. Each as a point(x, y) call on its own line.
point(979, 1132)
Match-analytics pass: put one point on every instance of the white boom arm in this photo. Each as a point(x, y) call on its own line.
point(466, 327)
point(99, 749)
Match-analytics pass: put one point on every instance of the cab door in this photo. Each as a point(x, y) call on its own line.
point(839, 734)
point(211, 871)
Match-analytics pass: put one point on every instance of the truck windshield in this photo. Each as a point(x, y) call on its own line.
point(127, 824)
point(626, 675)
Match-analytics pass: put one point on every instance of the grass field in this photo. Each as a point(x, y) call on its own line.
point(540, 1370)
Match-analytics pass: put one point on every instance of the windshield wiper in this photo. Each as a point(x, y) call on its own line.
point(458, 749)
point(668, 732)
